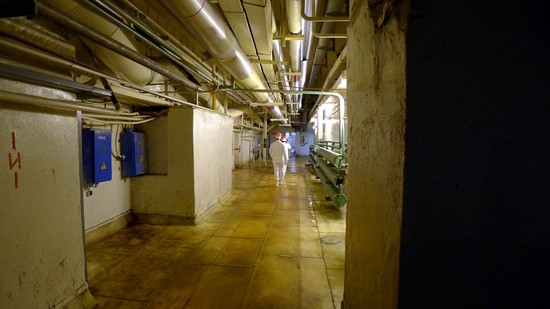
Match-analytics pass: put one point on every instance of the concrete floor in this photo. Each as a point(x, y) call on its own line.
point(263, 247)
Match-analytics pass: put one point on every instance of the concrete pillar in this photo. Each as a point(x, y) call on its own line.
point(376, 117)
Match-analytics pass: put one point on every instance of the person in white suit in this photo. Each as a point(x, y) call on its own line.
point(288, 148)
point(279, 157)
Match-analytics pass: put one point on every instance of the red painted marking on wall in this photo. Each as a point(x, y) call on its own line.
point(14, 161)
point(17, 161)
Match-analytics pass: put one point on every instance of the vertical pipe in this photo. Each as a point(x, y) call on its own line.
point(264, 138)
point(225, 104)
point(214, 101)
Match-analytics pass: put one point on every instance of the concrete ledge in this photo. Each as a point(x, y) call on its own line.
point(138, 217)
point(82, 299)
point(107, 228)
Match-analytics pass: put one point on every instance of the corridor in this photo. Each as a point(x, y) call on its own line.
point(263, 247)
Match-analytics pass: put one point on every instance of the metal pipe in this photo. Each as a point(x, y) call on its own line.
point(324, 44)
point(278, 55)
point(16, 48)
point(264, 139)
point(154, 45)
point(111, 44)
point(317, 19)
point(20, 29)
point(11, 97)
point(331, 172)
point(329, 35)
point(334, 158)
point(315, 92)
point(186, 53)
point(335, 194)
point(246, 126)
point(202, 20)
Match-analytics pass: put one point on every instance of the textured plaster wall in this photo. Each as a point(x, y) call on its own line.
point(376, 111)
point(475, 214)
point(199, 165)
point(171, 193)
point(213, 164)
point(41, 239)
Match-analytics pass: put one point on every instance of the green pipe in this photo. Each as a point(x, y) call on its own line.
point(332, 173)
point(335, 193)
point(335, 158)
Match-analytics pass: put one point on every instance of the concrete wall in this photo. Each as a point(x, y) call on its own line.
point(157, 145)
point(475, 214)
point(302, 142)
point(41, 235)
point(199, 167)
point(212, 161)
point(170, 194)
point(108, 200)
point(376, 112)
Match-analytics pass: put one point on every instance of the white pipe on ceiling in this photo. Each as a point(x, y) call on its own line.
point(131, 71)
point(293, 8)
point(203, 21)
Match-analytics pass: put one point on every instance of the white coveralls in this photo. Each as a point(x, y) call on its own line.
point(279, 156)
point(288, 148)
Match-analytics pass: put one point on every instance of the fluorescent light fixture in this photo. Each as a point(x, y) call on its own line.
point(279, 119)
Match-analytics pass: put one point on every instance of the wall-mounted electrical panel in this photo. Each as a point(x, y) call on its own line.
point(133, 148)
point(96, 155)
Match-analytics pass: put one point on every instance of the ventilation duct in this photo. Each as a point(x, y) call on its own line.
point(202, 20)
point(127, 68)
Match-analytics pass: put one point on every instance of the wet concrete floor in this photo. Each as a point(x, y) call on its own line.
point(262, 247)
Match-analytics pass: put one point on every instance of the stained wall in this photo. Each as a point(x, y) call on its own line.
point(41, 232)
point(376, 116)
point(199, 166)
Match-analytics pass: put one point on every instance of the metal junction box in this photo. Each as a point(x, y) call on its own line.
point(96, 155)
point(133, 147)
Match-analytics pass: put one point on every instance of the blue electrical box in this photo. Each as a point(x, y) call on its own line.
point(133, 148)
point(96, 155)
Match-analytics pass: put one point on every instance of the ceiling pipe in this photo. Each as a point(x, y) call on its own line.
point(339, 97)
point(190, 57)
point(202, 20)
point(295, 27)
point(172, 45)
point(323, 45)
point(126, 67)
point(157, 44)
point(330, 35)
point(20, 49)
point(23, 30)
point(24, 99)
point(317, 19)
point(140, 75)
point(278, 55)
